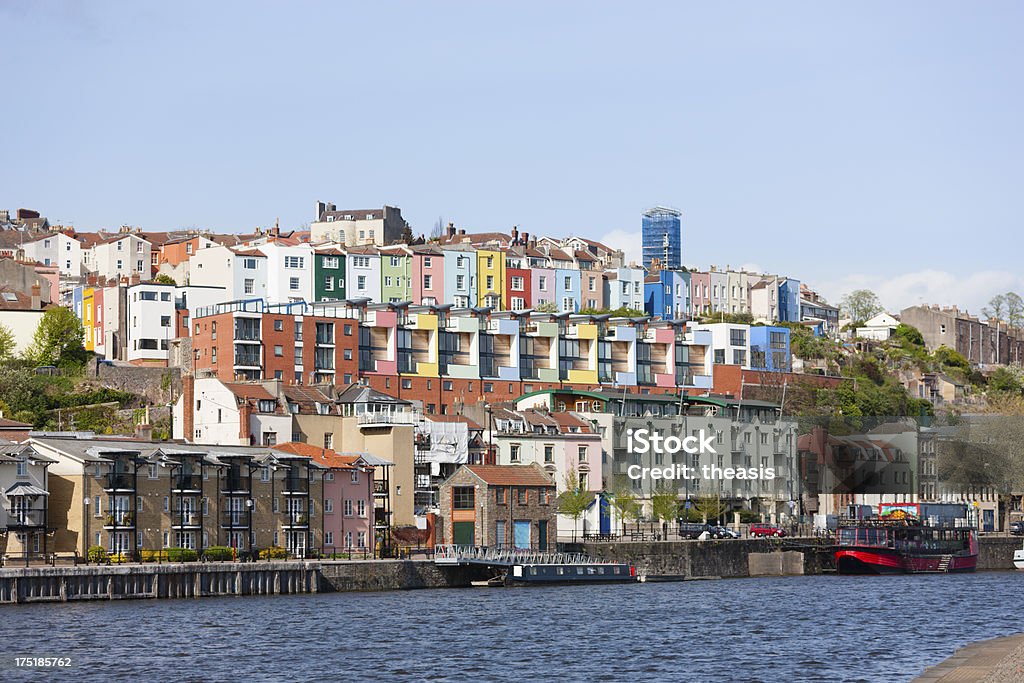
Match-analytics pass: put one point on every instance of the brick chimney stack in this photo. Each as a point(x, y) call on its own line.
point(37, 298)
point(244, 414)
point(188, 406)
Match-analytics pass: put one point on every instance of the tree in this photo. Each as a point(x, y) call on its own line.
point(621, 312)
point(861, 305)
point(996, 307)
point(407, 236)
point(665, 505)
point(574, 500)
point(1014, 309)
point(709, 506)
point(626, 506)
point(7, 343)
point(58, 339)
point(164, 279)
point(546, 307)
point(1006, 380)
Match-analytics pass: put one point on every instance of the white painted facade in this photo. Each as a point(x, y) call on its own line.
point(625, 289)
point(22, 324)
point(730, 344)
point(58, 250)
point(215, 415)
point(243, 275)
point(124, 255)
point(150, 322)
point(363, 275)
point(289, 272)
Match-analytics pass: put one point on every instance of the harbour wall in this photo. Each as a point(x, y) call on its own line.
point(198, 580)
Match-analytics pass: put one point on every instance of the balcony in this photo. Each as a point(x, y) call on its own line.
point(295, 486)
point(119, 482)
point(119, 520)
point(187, 483)
point(247, 360)
point(21, 518)
point(234, 520)
point(380, 489)
point(295, 520)
point(390, 417)
point(234, 485)
point(186, 520)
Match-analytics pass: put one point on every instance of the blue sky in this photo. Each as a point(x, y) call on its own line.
point(865, 144)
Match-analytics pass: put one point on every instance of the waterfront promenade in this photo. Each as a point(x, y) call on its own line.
point(1000, 660)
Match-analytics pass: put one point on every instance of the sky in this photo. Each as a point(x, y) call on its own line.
point(869, 144)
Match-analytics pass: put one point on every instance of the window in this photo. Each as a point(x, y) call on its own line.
point(463, 497)
point(249, 263)
point(265, 474)
point(490, 282)
point(549, 453)
point(499, 495)
point(428, 281)
point(293, 283)
point(360, 508)
point(249, 286)
point(22, 469)
point(518, 303)
point(330, 262)
point(542, 283)
point(522, 495)
point(361, 282)
point(406, 383)
point(517, 283)
point(582, 454)
point(153, 474)
point(278, 325)
point(568, 284)
point(490, 261)
point(354, 478)
point(165, 321)
point(460, 282)
point(119, 262)
point(328, 535)
point(347, 354)
point(513, 452)
point(347, 507)
point(738, 337)
point(293, 261)
point(278, 351)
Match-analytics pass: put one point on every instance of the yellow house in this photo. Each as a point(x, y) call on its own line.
point(490, 278)
point(88, 310)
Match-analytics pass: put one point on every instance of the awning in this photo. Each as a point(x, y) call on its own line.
point(23, 489)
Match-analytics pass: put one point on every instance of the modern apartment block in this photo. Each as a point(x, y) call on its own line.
point(662, 237)
point(24, 493)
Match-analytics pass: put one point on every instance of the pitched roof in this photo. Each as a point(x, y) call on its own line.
point(323, 456)
point(13, 300)
point(6, 424)
point(250, 391)
point(511, 475)
point(356, 393)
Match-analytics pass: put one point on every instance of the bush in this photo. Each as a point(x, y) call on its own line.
point(154, 555)
point(749, 517)
point(97, 553)
point(219, 553)
point(181, 555)
point(119, 558)
point(274, 553)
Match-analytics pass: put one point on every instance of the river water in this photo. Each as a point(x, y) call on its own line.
point(814, 628)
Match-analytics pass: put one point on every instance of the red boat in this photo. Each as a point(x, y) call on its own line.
point(902, 544)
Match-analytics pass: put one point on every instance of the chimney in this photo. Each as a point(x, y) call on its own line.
point(526, 238)
point(462, 231)
point(188, 406)
point(515, 235)
point(320, 208)
point(451, 230)
point(244, 414)
point(37, 299)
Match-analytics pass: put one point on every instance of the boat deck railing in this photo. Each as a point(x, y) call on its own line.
point(501, 556)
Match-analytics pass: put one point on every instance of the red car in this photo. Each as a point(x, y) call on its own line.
point(757, 530)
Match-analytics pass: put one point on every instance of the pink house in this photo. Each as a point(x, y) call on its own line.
point(700, 294)
point(428, 275)
point(347, 504)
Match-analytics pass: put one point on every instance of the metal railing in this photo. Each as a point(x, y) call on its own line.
point(390, 417)
point(120, 481)
point(472, 554)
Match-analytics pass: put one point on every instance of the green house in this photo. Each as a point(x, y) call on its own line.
point(329, 274)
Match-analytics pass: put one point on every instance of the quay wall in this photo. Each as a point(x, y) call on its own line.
point(197, 580)
point(730, 558)
point(995, 553)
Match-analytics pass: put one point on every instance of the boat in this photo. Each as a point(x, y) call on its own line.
point(1018, 558)
point(587, 572)
point(902, 543)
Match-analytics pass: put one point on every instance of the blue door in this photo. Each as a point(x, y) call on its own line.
point(522, 534)
point(606, 516)
point(990, 520)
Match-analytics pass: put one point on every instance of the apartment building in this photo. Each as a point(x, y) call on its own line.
point(24, 515)
point(356, 227)
point(982, 343)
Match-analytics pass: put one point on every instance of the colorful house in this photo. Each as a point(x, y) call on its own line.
point(328, 274)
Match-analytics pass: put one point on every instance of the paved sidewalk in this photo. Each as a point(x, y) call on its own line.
point(1000, 660)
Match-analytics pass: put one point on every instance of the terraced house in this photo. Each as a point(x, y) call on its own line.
point(24, 493)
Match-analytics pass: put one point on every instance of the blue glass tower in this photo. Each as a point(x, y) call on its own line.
point(662, 237)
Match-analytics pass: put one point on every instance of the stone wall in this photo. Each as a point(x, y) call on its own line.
point(996, 552)
point(388, 575)
point(689, 559)
point(136, 379)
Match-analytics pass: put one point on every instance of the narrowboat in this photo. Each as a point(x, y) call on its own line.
point(900, 543)
point(595, 572)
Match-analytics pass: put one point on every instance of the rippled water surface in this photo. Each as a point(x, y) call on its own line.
point(815, 628)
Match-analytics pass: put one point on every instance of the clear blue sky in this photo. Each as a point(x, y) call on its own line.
point(844, 144)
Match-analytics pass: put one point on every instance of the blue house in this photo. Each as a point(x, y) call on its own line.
point(789, 300)
point(769, 348)
point(567, 290)
point(667, 294)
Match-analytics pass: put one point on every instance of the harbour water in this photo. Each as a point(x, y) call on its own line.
point(812, 628)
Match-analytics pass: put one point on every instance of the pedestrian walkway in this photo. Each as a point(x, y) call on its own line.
point(1000, 660)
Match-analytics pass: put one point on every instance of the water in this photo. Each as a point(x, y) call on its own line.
point(814, 628)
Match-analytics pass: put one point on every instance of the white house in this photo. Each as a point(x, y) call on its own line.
point(880, 328)
point(730, 343)
point(624, 287)
point(231, 414)
point(289, 270)
point(21, 315)
point(362, 272)
point(150, 323)
point(57, 249)
point(121, 255)
point(242, 274)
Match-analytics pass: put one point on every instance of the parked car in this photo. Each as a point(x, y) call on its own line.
point(723, 532)
point(692, 529)
point(759, 530)
point(1017, 528)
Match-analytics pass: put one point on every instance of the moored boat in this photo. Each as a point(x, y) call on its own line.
point(1018, 558)
point(594, 572)
point(900, 543)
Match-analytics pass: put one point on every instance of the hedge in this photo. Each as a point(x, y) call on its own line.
point(181, 555)
point(274, 553)
point(219, 553)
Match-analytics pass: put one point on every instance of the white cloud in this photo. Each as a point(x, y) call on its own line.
point(629, 242)
point(970, 292)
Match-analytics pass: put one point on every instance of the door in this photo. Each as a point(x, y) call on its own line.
point(542, 534)
point(606, 516)
point(463, 533)
point(522, 534)
point(499, 536)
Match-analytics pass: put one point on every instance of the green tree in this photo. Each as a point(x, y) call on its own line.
point(626, 506)
point(665, 505)
point(909, 336)
point(620, 312)
point(1006, 380)
point(861, 305)
point(948, 358)
point(164, 279)
point(996, 307)
point(710, 507)
point(1014, 309)
point(574, 500)
point(7, 343)
point(58, 339)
